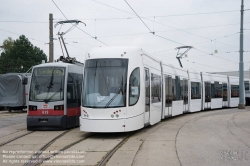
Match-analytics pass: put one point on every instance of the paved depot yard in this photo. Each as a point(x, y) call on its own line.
point(218, 137)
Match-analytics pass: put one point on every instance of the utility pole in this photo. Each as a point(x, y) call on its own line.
point(241, 64)
point(51, 44)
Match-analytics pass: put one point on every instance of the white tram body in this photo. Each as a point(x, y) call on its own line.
point(55, 96)
point(125, 89)
point(233, 96)
point(213, 95)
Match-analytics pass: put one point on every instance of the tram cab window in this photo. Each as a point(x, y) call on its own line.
point(195, 90)
point(134, 86)
point(155, 88)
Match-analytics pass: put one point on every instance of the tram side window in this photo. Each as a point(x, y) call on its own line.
point(168, 91)
point(71, 90)
point(216, 90)
point(234, 91)
point(224, 87)
point(155, 88)
point(212, 90)
point(246, 85)
point(195, 90)
point(79, 88)
point(182, 89)
point(176, 89)
point(134, 86)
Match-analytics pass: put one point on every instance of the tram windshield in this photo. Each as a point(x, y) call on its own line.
point(104, 83)
point(47, 84)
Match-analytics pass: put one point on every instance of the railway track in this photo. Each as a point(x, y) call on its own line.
point(35, 160)
point(112, 151)
point(38, 159)
point(13, 139)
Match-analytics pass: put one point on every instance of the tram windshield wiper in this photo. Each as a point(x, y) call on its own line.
point(47, 100)
point(51, 85)
point(113, 98)
point(60, 90)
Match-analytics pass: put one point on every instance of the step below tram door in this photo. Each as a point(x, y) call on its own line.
point(147, 96)
point(224, 95)
point(207, 95)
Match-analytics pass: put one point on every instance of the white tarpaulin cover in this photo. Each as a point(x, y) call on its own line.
point(12, 91)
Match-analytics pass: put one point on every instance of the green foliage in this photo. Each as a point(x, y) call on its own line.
point(7, 44)
point(19, 55)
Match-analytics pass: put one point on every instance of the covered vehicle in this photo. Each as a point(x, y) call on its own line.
point(14, 91)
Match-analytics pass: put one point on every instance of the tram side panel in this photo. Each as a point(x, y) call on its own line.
point(155, 110)
point(195, 88)
point(175, 90)
point(74, 82)
point(212, 91)
point(136, 93)
point(233, 91)
point(247, 92)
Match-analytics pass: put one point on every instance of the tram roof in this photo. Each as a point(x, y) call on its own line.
point(59, 64)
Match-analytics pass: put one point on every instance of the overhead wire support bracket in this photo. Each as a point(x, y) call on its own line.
point(180, 55)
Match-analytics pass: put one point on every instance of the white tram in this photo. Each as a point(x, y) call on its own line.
point(125, 89)
point(55, 96)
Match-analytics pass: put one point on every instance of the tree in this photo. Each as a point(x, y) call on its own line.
point(7, 44)
point(19, 55)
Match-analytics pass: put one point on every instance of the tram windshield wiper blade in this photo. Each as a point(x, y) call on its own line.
point(47, 100)
point(113, 98)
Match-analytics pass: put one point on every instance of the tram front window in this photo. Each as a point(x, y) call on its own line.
point(47, 84)
point(105, 83)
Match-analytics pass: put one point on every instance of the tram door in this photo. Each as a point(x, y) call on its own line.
point(224, 95)
point(147, 95)
point(207, 95)
point(168, 94)
point(185, 94)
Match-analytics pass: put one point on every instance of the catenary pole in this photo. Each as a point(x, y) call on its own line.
point(51, 44)
point(241, 64)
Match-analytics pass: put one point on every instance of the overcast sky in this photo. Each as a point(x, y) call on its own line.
point(207, 25)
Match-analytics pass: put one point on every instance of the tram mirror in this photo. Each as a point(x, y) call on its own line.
point(25, 81)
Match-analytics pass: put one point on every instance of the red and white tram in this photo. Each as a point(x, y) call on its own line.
point(55, 96)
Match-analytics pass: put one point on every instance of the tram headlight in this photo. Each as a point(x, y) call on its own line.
point(58, 107)
point(32, 108)
point(117, 115)
point(112, 116)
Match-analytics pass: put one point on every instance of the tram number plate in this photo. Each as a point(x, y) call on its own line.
point(45, 112)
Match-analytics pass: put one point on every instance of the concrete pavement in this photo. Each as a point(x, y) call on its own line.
point(218, 137)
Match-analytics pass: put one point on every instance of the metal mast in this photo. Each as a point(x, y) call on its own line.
point(241, 64)
point(51, 44)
